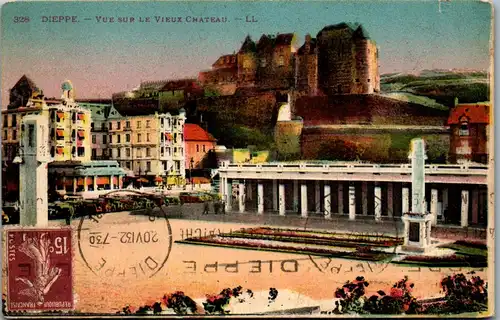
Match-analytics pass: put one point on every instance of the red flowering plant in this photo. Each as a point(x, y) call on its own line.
point(399, 300)
point(180, 303)
point(351, 297)
point(464, 295)
point(216, 304)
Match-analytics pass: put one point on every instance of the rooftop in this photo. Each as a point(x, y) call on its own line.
point(193, 132)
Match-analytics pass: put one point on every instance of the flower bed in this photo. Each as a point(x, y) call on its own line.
point(478, 244)
point(289, 248)
point(311, 240)
point(345, 237)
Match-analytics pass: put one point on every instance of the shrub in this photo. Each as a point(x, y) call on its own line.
point(465, 295)
point(180, 303)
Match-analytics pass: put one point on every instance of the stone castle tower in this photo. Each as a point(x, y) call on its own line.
point(342, 59)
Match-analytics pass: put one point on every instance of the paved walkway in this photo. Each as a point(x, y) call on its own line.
point(362, 224)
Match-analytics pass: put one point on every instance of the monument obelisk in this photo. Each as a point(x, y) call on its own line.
point(417, 223)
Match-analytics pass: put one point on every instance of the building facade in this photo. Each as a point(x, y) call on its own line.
point(146, 142)
point(469, 132)
point(199, 144)
point(99, 111)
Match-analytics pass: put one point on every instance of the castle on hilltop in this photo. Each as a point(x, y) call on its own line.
point(342, 59)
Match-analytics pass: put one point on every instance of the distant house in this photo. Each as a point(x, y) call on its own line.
point(469, 126)
point(198, 143)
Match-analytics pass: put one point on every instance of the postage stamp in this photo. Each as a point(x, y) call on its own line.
point(263, 158)
point(39, 269)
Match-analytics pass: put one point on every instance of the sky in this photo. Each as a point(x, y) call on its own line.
point(102, 58)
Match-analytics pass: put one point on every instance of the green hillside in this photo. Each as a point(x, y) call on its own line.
point(441, 86)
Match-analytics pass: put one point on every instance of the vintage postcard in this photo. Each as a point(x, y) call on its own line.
point(264, 158)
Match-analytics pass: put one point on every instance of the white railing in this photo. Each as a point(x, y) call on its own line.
point(445, 169)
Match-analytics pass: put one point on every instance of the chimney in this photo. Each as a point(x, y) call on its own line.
point(308, 42)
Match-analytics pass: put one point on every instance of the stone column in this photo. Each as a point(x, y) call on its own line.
point(327, 201)
point(229, 194)
point(352, 203)
point(378, 203)
point(317, 197)
point(260, 198)
point(434, 205)
point(295, 195)
point(222, 190)
point(74, 184)
point(406, 200)
point(275, 195)
point(303, 199)
point(390, 200)
point(406, 232)
point(364, 197)
point(85, 186)
point(95, 183)
point(111, 184)
point(475, 206)
point(340, 196)
point(241, 196)
point(464, 217)
point(120, 182)
point(282, 199)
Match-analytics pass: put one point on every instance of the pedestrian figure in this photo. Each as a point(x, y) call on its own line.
point(216, 206)
point(223, 205)
point(205, 207)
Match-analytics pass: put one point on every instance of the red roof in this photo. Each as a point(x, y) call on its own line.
point(473, 113)
point(193, 132)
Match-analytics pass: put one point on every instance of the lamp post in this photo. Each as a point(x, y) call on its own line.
point(191, 173)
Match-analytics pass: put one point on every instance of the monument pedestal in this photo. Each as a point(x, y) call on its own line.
point(417, 232)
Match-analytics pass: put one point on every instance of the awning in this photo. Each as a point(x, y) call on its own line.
point(60, 150)
point(80, 181)
point(81, 116)
point(158, 179)
point(69, 181)
point(60, 132)
point(102, 180)
point(142, 180)
point(90, 181)
point(60, 115)
point(115, 181)
point(81, 133)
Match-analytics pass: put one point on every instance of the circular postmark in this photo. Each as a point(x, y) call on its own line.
point(117, 244)
point(374, 248)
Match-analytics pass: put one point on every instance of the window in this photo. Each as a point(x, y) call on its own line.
point(93, 139)
point(139, 137)
point(175, 137)
point(128, 152)
point(204, 148)
point(92, 126)
point(118, 138)
point(52, 152)
point(14, 134)
point(464, 129)
point(119, 153)
point(148, 152)
point(148, 166)
point(118, 125)
point(110, 139)
point(110, 126)
point(14, 121)
point(197, 148)
point(161, 122)
point(73, 134)
point(162, 151)
point(127, 137)
point(281, 61)
point(103, 126)
point(138, 124)
point(127, 124)
point(147, 137)
point(4, 134)
point(168, 152)
point(128, 165)
point(148, 123)
point(94, 153)
point(104, 138)
point(139, 153)
point(81, 151)
point(5, 121)
point(263, 63)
